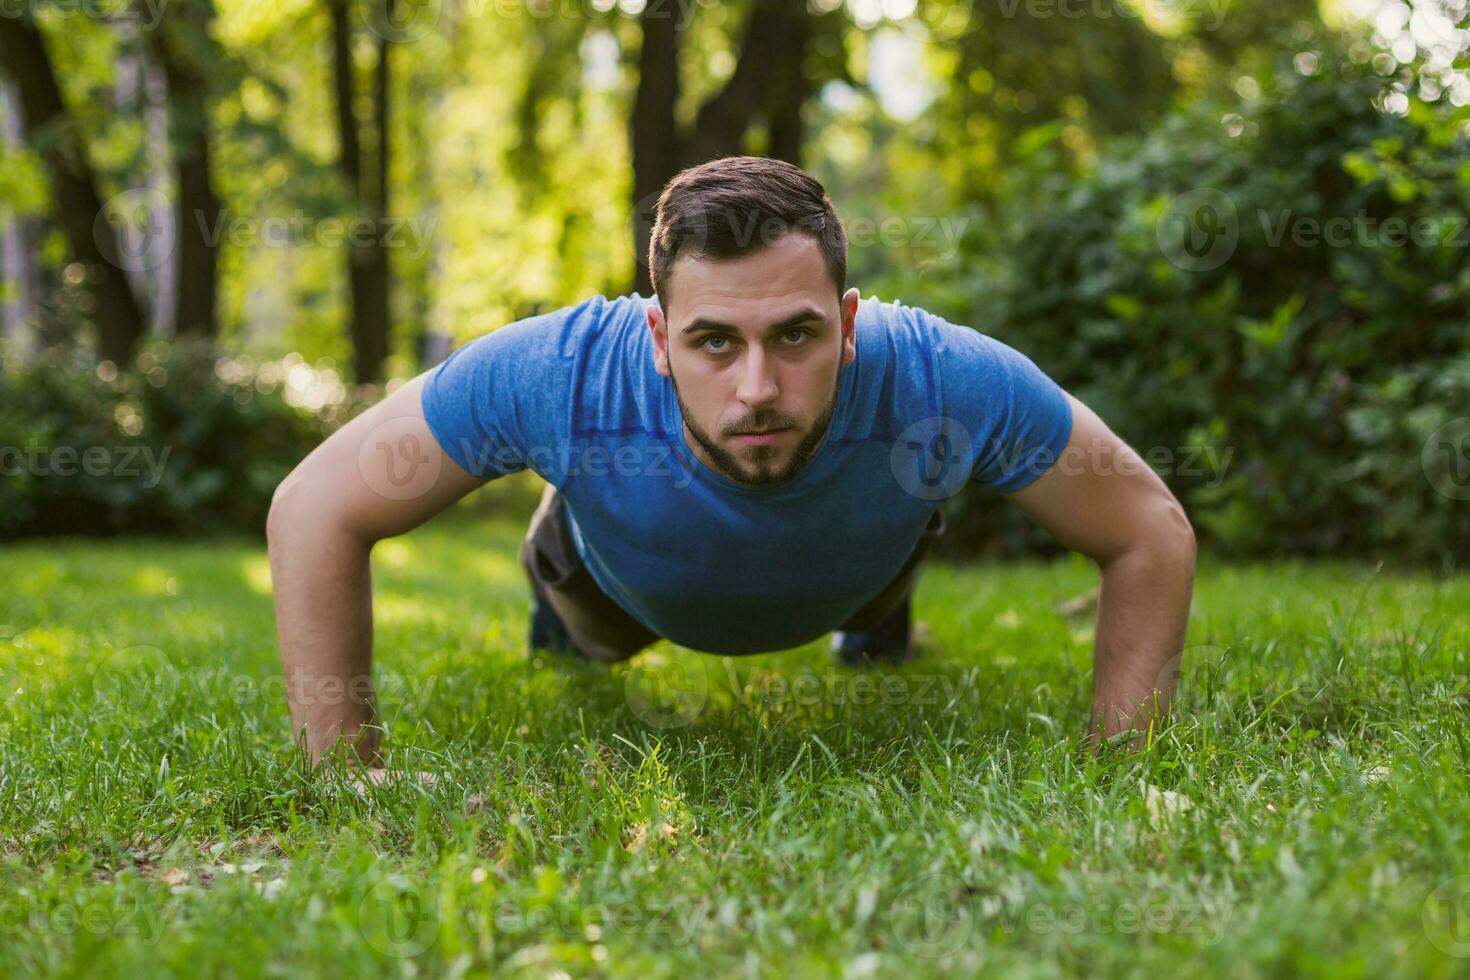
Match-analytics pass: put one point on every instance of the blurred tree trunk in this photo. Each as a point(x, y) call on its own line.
point(138, 96)
point(53, 135)
point(22, 238)
point(375, 339)
point(768, 78)
point(770, 53)
point(182, 45)
point(656, 143)
point(790, 87)
point(367, 267)
point(162, 287)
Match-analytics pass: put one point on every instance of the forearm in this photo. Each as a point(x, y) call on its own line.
point(1143, 611)
point(323, 595)
point(325, 517)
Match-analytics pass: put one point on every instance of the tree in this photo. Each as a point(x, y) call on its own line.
point(18, 248)
point(1020, 67)
point(770, 79)
point(366, 175)
point(54, 137)
point(183, 47)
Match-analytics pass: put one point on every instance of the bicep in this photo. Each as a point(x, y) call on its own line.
point(381, 474)
point(1100, 497)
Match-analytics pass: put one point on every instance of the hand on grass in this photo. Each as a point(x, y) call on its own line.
point(360, 779)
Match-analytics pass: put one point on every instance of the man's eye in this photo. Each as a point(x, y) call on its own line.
point(705, 343)
point(799, 335)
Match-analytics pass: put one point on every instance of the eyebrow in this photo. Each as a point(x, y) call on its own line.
point(801, 316)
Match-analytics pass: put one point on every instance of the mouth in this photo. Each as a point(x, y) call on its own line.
point(762, 437)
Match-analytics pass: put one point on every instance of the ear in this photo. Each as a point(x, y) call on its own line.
point(849, 308)
point(659, 326)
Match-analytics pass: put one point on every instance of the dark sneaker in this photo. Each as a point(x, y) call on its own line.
point(548, 632)
point(886, 643)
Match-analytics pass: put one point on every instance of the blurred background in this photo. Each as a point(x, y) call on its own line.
point(1235, 228)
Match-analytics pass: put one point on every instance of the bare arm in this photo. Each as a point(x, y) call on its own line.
point(380, 475)
point(1103, 500)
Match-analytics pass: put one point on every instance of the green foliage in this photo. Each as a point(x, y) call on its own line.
point(181, 440)
point(1278, 286)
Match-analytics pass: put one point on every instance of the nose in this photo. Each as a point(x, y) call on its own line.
point(757, 380)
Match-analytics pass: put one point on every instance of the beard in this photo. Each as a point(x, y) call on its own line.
point(760, 468)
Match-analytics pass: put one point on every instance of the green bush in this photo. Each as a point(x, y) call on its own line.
point(184, 440)
point(181, 440)
point(1179, 290)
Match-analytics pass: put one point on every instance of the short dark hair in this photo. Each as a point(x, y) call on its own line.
point(736, 205)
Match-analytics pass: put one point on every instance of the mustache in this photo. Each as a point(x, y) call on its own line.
point(761, 424)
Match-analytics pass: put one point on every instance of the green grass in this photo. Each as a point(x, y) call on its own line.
point(687, 814)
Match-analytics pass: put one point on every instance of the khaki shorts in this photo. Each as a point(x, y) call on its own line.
point(605, 631)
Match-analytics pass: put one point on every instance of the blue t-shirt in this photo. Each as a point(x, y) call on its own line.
point(923, 409)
